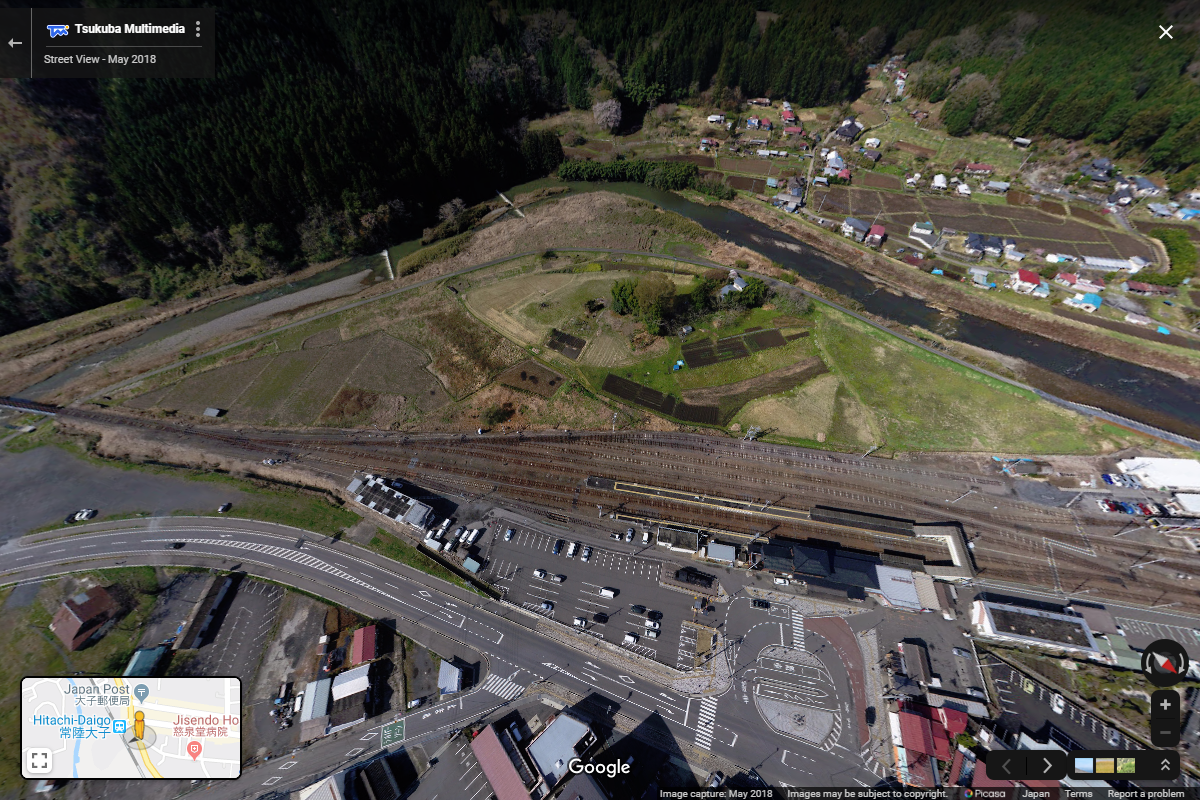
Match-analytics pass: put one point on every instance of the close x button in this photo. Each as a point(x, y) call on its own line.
point(1005, 765)
point(1045, 765)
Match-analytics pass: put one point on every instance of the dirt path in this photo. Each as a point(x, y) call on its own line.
point(937, 291)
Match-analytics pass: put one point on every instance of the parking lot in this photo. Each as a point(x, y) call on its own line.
point(631, 569)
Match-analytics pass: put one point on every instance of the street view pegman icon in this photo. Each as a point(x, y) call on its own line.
point(58, 30)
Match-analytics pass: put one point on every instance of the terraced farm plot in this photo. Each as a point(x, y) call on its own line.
point(752, 166)
point(311, 395)
point(747, 184)
point(916, 150)
point(1129, 245)
point(975, 223)
point(394, 366)
point(645, 397)
point(730, 398)
point(881, 180)
point(532, 376)
point(865, 201)
point(805, 412)
point(325, 338)
point(272, 387)
point(217, 388)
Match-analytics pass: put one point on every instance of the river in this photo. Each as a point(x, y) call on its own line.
point(1140, 393)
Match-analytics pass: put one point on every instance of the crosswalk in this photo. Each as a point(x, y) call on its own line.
point(704, 724)
point(501, 686)
point(797, 629)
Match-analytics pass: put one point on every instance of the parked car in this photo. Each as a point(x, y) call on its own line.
point(547, 606)
point(650, 625)
point(638, 609)
point(1105, 506)
point(1108, 479)
point(539, 573)
point(629, 535)
point(1113, 737)
point(173, 546)
point(82, 515)
point(961, 653)
point(782, 582)
point(458, 532)
point(221, 509)
point(581, 622)
point(415, 703)
point(630, 638)
point(615, 535)
point(571, 550)
point(558, 578)
point(651, 634)
point(652, 614)
point(1127, 507)
point(1058, 704)
point(646, 536)
point(1145, 509)
point(586, 554)
point(508, 534)
point(600, 617)
point(558, 546)
point(760, 604)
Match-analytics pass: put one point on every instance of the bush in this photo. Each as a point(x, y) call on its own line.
point(714, 187)
point(1180, 252)
point(495, 415)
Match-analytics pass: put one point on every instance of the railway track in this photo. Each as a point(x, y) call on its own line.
point(544, 474)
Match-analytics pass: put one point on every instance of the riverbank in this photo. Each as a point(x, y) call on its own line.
point(33, 355)
point(938, 291)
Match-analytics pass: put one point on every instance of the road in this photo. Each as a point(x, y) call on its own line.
point(513, 655)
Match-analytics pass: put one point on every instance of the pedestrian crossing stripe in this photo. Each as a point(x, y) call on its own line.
point(705, 722)
point(502, 686)
point(797, 629)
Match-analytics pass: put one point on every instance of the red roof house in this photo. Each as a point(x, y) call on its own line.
point(980, 169)
point(497, 766)
point(1066, 278)
point(363, 647)
point(85, 616)
point(916, 734)
point(876, 234)
point(794, 129)
point(845, 173)
point(788, 115)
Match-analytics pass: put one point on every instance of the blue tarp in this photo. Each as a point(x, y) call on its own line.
point(1163, 330)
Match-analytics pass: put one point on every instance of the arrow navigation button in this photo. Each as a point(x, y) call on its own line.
point(1005, 765)
point(1048, 765)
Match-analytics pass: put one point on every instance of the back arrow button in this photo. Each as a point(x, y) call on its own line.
point(11, 43)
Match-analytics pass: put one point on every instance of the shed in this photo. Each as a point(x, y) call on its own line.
point(1021, 141)
point(939, 181)
point(564, 739)
point(316, 700)
point(471, 565)
point(144, 663)
point(501, 766)
point(916, 662)
point(85, 616)
point(363, 647)
point(214, 412)
point(722, 552)
point(350, 682)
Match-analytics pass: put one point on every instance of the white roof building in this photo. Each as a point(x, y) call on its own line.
point(897, 587)
point(449, 678)
point(352, 681)
point(939, 181)
point(964, 190)
point(1190, 503)
point(1033, 627)
point(1165, 474)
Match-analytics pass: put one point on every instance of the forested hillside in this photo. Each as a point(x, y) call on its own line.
point(334, 128)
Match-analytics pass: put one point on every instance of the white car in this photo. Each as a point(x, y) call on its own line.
point(539, 573)
point(1058, 704)
point(508, 534)
point(782, 582)
point(547, 606)
point(630, 638)
point(629, 535)
point(587, 553)
point(83, 515)
point(580, 622)
point(650, 624)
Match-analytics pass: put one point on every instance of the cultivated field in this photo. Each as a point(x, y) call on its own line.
point(531, 376)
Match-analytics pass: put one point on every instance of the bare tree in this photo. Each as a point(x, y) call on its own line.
point(451, 210)
point(607, 114)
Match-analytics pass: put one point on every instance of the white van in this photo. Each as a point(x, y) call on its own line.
point(651, 634)
point(474, 535)
point(646, 536)
point(630, 638)
point(298, 702)
point(581, 622)
point(571, 549)
point(607, 592)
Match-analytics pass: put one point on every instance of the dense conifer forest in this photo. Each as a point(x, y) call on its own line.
point(335, 128)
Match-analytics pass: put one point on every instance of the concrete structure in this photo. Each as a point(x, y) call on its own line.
point(381, 495)
point(449, 678)
point(563, 739)
point(1032, 627)
point(83, 618)
point(214, 412)
point(1164, 474)
point(722, 552)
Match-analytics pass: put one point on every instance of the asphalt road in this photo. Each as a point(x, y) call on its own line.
point(513, 655)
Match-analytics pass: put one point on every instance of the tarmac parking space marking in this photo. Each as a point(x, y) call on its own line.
point(272, 780)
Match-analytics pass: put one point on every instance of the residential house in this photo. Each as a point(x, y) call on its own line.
point(716, 119)
point(939, 182)
point(873, 155)
point(876, 235)
point(923, 233)
point(872, 142)
point(829, 172)
point(1123, 196)
point(1099, 170)
point(795, 186)
point(794, 130)
point(1024, 281)
point(1160, 210)
point(765, 124)
point(1090, 284)
point(963, 190)
point(1146, 187)
point(1021, 141)
point(834, 160)
point(979, 276)
point(1066, 278)
point(787, 115)
point(979, 169)
point(786, 105)
point(1042, 291)
point(1013, 254)
point(821, 182)
point(996, 187)
point(855, 229)
point(1187, 214)
point(753, 122)
point(849, 130)
point(83, 618)
point(844, 174)
point(1147, 289)
point(1088, 302)
point(1194, 195)
point(980, 243)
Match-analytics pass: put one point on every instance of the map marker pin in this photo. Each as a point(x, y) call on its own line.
point(193, 749)
point(141, 691)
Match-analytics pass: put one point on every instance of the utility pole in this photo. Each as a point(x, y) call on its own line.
point(1147, 563)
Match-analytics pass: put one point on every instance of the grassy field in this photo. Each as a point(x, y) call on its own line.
point(983, 148)
point(390, 545)
point(31, 649)
point(920, 401)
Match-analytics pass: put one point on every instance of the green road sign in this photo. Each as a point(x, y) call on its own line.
point(392, 734)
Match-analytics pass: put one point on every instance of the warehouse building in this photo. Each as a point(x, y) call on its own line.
point(1164, 474)
point(383, 496)
point(1033, 627)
